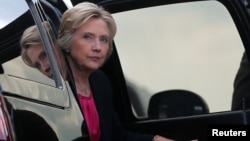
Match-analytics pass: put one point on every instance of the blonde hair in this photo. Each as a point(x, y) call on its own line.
point(73, 18)
point(31, 36)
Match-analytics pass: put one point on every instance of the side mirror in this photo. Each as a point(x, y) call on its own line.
point(176, 103)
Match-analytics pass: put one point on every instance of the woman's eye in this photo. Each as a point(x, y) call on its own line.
point(43, 55)
point(104, 39)
point(87, 37)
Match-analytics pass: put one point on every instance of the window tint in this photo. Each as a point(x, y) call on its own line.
point(189, 46)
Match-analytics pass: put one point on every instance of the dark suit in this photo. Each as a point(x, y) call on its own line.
point(241, 94)
point(111, 128)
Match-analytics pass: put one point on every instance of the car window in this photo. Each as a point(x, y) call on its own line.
point(36, 66)
point(17, 68)
point(34, 79)
point(189, 46)
point(41, 69)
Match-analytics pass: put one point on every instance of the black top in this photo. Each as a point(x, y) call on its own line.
point(111, 128)
point(241, 94)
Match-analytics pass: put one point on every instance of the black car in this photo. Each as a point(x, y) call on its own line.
point(172, 71)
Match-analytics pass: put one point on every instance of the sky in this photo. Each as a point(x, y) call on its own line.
point(18, 7)
point(7, 15)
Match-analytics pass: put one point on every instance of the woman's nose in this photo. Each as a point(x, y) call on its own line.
point(96, 45)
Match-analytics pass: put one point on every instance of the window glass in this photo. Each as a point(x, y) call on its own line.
point(32, 76)
point(184, 46)
point(35, 64)
point(18, 68)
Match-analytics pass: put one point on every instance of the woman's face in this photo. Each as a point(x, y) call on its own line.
point(90, 44)
point(39, 60)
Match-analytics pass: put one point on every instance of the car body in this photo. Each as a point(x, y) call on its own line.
point(169, 56)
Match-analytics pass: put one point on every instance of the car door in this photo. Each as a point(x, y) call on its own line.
point(184, 53)
point(40, 108)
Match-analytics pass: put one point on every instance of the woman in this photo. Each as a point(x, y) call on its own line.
point(85, 35)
